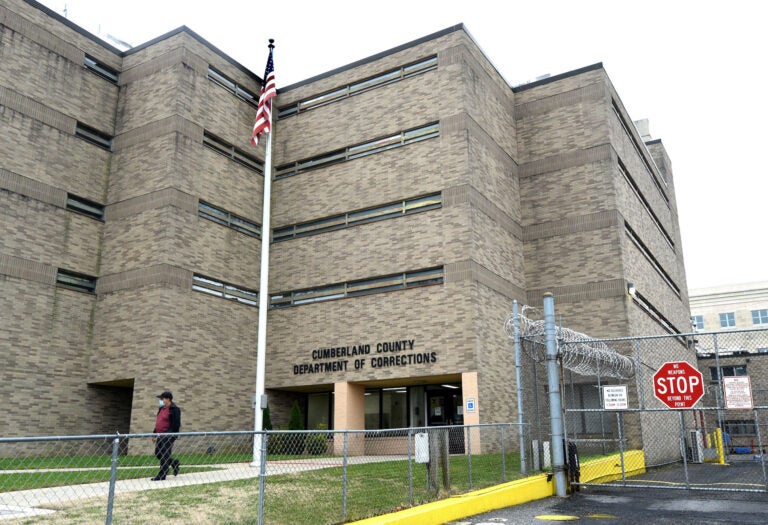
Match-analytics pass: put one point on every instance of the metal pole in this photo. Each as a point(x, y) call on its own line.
point(540, 445)
point(410, 466)
point(682, 448)
point(760, 445)
point(639, 366)
point(555, 406)
point(518, 379)
point(602, 403)
point(504, 457)
point(574, 422)
point(263, 439)
point(344, 480)
point(719, 385)
point(620, 425)
point(469, 454)
point(112, 480)
point(259, 401)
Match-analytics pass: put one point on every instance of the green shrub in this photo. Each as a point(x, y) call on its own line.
point(317, 443)
point(295, 443)
point(276, 443)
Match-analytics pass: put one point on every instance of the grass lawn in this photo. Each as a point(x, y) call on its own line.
point(310, 497)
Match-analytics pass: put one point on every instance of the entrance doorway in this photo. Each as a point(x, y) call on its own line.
point(446, 408)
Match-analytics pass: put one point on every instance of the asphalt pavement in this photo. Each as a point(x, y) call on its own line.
point(710, 494)
point(613, 506)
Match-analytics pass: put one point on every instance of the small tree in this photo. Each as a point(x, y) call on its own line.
point(296, 423)
point(266, 421)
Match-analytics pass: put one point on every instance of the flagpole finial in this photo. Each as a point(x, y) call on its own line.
point(271, 43)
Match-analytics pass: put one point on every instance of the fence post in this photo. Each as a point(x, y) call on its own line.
point(719, 385)
point(518, 378)
point(504, 457)
point(410, 467)
point(469, 454)
point(263, 438)
point(760, 445)
point(112, 479)
point(639, 369)
point(555, 406)
point(344, 480)
point(620, 425)
point(683, 449)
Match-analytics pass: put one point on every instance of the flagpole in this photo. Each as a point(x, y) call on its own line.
point(259, 401)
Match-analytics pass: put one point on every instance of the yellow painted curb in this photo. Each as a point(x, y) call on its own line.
point(477, 502)
point(508, 494)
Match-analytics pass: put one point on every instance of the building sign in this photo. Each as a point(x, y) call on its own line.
point(384, 354)
point(615, 397)
point(470, 405)
point(737, 392)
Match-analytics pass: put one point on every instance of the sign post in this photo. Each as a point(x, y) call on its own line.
point(678, 384)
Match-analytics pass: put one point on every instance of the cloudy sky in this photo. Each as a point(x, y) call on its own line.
point(693, 68)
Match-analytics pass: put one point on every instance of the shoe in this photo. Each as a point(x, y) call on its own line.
point(158, 478)
point(176, 465)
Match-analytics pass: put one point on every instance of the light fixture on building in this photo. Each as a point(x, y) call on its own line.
point(454, 387)
point(631, 290)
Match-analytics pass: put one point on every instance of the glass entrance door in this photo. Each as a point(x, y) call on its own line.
point(446, 407)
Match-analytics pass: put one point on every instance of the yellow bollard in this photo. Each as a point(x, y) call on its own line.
point(720, 447)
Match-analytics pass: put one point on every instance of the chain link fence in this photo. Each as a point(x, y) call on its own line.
point(711, 446)
point(280, 477)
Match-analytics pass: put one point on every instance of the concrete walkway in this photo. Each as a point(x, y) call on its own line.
point(25, 503)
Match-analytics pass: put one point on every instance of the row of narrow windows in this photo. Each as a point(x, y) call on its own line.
point(654, 313)
point(347, 220)
point(636, 190)
point(650, 258)
point(387, 283)
point(358, 87)
point(640, 154)
point(208, 285)
point(370, 147)
point(381, 284)
point(230, 220)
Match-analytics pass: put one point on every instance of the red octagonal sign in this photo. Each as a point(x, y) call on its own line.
point(678, 384)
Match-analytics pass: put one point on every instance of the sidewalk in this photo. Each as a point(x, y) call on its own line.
point(26, 503)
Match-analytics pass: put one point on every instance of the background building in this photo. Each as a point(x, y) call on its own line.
point(739, 313)
point(416, 195)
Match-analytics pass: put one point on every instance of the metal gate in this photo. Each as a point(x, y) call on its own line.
point(640, 442)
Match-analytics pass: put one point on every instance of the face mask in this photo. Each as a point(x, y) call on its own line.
point(160, 403)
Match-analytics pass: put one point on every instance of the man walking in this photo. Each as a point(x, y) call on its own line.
point(168, 421)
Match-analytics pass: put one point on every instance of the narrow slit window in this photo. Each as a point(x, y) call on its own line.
point(76, 281)
point(85, 206)
point(224, 290)
point(93, 136)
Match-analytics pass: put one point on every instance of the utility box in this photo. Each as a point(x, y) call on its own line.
point(422, 447)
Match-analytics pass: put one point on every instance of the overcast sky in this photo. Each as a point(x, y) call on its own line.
point(695, 69)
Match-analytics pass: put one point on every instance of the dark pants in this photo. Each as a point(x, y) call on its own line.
point(163, 451)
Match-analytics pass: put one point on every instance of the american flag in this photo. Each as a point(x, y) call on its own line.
point(263, 122)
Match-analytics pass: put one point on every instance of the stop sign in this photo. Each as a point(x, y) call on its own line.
point(678, 384)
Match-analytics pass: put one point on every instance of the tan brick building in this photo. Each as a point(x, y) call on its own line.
point(415, 196)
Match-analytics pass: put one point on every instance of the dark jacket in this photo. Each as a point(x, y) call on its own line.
point(174, 415)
